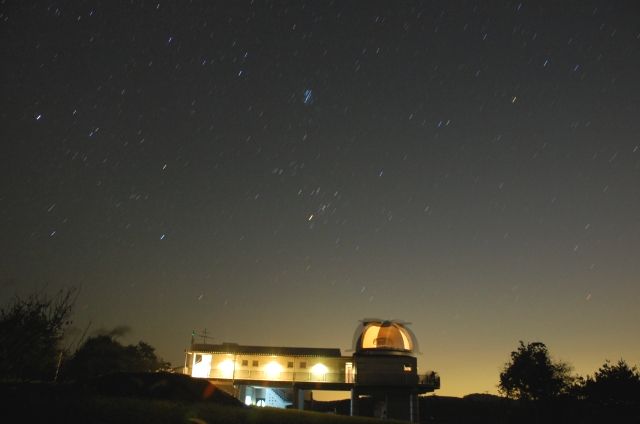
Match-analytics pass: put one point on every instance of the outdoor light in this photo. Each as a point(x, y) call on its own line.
point(226, 368)
point(319, 370)
point(273, 369)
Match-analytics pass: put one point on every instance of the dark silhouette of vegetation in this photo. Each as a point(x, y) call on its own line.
point(32, 328)
point(532, 375)
point(103, 354)
point(613, 384)
point(553, 395)
point(31, 331)
point(157, 385)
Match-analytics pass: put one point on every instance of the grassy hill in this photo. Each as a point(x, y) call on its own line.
point(171, 399)
point(482, 408)
point(107, 409)
point(144, 398)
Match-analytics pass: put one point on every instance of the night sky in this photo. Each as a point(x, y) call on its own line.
point(276, 171)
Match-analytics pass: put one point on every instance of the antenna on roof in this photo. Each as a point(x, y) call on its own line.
point(203, 335)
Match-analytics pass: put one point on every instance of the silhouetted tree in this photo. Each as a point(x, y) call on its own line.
point(531, 375)
point(101, 355)
point(31, 330)
point(613, 384)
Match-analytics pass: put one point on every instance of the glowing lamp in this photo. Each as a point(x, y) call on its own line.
point(319, 370)
point(226, 368)
point(273, 369)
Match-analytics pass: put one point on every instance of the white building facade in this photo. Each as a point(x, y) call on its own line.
point(383, 368)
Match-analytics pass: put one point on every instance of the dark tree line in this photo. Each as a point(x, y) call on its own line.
point(31, 335)
point(31, 331)
point(531, 375)
point(613, 384)
point(101, 355)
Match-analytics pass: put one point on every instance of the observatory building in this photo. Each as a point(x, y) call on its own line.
point(381, 372)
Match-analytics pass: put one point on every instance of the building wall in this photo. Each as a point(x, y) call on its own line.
point(393, 370)
point(266, 367)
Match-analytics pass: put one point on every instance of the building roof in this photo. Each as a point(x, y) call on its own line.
point(266, 350)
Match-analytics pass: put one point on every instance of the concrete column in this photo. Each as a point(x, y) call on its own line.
point(411, 408)
point(298, 398)
point(353, 410)
point(299, 395)
point(414, 408)
point(241, 392)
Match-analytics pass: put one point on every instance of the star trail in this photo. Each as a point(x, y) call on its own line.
point(276, 171)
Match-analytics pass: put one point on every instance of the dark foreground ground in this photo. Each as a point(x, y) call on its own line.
point(173, 398)
point(143, 398)
point(479, 408)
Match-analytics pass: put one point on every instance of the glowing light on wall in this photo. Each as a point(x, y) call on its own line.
point(319, 370)
point(273, 369)
point(201, 366)
point(226, 368)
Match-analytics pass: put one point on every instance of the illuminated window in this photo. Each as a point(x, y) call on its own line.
point(255, 363)
point(289, 364)
point(245, 363)
point(303, 365)
point(407, 368)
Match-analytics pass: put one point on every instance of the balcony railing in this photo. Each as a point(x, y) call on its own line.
point(328, 377)
point(430, 379)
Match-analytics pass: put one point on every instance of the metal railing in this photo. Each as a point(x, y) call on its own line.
point(430, 379)
point(280, 376)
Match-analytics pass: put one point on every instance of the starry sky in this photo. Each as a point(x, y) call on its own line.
point(275, 171)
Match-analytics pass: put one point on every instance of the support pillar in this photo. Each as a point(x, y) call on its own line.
point(298, 398)
point(242, 392)
point(411, 408)
point(414, 408)
point(353, 408)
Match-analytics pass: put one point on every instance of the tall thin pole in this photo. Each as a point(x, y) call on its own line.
point(233, 375)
